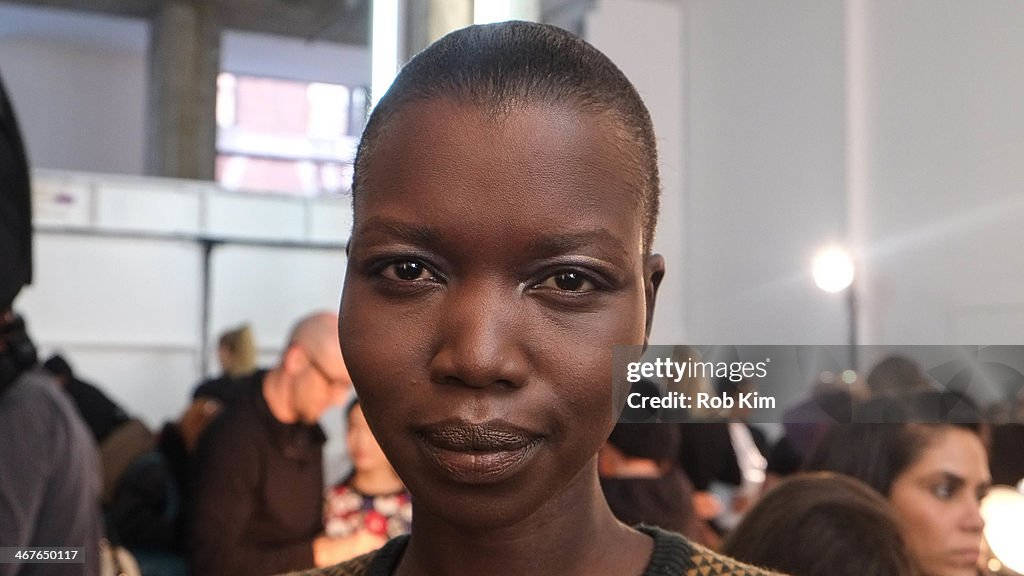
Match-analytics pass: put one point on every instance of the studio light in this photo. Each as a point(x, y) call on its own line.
point(1003, 511)
point(833, 269)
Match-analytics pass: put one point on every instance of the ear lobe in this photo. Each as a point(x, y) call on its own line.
point(654, 271)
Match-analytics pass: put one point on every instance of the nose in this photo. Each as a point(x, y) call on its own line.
point(972, 521)
point(481, 331)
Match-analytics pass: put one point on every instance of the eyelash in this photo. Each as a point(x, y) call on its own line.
point(391, 265)
point(589, 280)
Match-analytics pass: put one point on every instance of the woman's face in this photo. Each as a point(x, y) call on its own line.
point(937, 500)
point(494, 263)
point(363, 449)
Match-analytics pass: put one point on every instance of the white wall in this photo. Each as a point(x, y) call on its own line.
point(78, 83)
point(893, 127)
point(119, 282)
point(747, 103)
point(645, 39)
point(943, 171)
point(765, 172)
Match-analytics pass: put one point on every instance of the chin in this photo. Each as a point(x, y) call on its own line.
point(951, 570)
point(481, 512)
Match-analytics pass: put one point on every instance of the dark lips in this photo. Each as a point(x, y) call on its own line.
point(477, 453)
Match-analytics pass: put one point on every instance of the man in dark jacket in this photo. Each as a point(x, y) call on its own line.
point(49, 476)
point(257, 496)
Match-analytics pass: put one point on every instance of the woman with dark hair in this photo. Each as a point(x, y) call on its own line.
point(371, 504)
point(505, 196)
point(924, 453)
point(822, 524)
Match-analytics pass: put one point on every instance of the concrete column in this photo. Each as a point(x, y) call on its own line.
point(184, 60)
point(428, 20)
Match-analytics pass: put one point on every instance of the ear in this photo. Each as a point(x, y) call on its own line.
point(654, 271)
point(292, 360)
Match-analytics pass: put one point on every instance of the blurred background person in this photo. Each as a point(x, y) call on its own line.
point(101, 414)
point(830, 401)
point(257, 486)
point(49, 468)
point(371, 505)
point(822, 524)
point(1008, 444)
point(236, 352)
point(923, 452)
point(749, 445)
point(643, 484)
point(897, 375)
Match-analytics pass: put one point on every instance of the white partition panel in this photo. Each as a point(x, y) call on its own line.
point(159, 207)
point(135, 291)
point(331, 220)
point(122, 282)
point(272, 287)
point(255, 216)
point(152, 383)
point(125, 311)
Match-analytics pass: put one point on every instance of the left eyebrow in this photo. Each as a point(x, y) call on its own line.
point(555, 244)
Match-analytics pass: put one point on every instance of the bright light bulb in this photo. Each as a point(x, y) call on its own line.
point(1003, 510)
point(833, 269)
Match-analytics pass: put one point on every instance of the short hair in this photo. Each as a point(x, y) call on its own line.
point(821, 525)
point(895, 375)
point(241, 347)
point(507, 66)
point(889, 435)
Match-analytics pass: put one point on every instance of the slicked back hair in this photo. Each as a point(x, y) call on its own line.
point(500, 68)
point(889, 434)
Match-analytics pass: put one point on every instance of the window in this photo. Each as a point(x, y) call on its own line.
point(287, 136)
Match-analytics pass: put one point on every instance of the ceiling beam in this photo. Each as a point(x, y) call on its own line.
point(340, 21)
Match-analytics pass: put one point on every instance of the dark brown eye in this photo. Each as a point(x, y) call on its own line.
point(569, 281)
point(406, 271)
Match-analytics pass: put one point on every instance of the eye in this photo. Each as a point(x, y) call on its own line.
point(943, 491)
point(406, 271)
point(568, 281)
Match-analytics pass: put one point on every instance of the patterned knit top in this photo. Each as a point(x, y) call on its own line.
point(673, 555)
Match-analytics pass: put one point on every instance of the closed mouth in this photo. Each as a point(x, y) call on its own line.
point(478, 453)
point(967, 555)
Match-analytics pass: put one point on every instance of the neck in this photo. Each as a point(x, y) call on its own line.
point(376, 482)
point(574, 533)
point(278, 394)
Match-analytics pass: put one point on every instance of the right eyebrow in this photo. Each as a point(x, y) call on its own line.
point(412, 233)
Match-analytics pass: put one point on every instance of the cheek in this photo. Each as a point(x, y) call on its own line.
point(925, 528)
point(376, 339)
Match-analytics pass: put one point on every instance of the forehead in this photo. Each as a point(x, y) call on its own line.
point(953, 450)
point(538, 163)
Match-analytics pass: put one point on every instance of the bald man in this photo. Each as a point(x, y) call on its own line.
point(258, 474)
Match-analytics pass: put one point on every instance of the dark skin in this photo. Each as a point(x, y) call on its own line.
point(494, 264)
